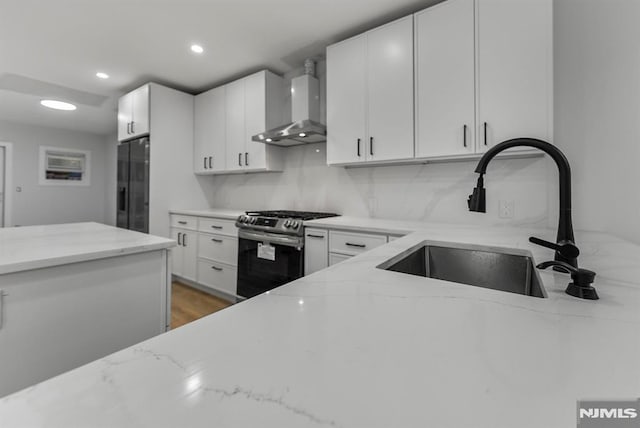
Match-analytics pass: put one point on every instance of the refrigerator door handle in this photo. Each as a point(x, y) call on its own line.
point(122, 199)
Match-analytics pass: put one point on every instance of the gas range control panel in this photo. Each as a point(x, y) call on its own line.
point(268, 224)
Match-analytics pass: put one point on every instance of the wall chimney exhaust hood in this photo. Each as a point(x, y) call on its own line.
point(305, 114)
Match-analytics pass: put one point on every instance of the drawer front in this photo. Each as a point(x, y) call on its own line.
point(218, 247)
point(214, 225)
point(350, 243)
point(184, 222)
point(337, 258)
point(216, 275)
point(316, 250)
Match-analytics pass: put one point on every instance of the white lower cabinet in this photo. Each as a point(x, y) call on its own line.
point(316, 250)
point(337, 258)
point(327, 247)
point(184, 255)
point(217, 275)
point(208, 254)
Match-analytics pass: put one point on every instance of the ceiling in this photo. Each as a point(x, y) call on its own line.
point(55, 47)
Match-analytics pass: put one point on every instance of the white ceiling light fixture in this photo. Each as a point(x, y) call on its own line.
point(58, 105)
point(102, 75)
point(197, 49)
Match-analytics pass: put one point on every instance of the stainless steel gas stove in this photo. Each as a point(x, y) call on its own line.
point(271, 249)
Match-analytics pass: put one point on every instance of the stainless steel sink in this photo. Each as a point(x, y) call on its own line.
point(502, 269)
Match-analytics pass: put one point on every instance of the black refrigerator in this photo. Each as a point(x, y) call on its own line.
point(133, 185)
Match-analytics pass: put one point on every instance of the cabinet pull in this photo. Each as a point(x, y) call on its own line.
point(464, 135)
point(216, 240)
point(213, 226)
point(246, 158)
point(371, 146)
point(216, 268)
point(184, 239)
point(179, 233)
point(205, 162)
point(182, 222)
point(210, 157)
point(239, 159)
point(133, 131)
point(485, 133)
point(315, 236)
point(358, 147)
point(349, 244)
point(2, 294)
point(128, 128)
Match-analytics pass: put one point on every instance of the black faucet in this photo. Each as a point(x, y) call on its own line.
point(566, 257)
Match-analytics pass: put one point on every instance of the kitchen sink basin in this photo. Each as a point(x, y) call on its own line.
point(503, 269)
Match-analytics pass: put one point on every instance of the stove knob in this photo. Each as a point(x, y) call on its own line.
point(287, 223)
point(245, 219)
point(295, 225)
point(253, 220)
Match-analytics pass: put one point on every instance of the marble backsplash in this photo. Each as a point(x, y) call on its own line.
point(434, 192)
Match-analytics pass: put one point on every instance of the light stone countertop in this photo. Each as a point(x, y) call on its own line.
point(223, 213)
point(356, 346)
point(35, 247)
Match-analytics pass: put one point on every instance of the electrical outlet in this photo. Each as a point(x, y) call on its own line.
point(506, 209)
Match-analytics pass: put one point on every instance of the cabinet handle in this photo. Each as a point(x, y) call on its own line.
point(464, 135)
point(179, 233)
point(210, 157)
point(239, 159)
point(133, 130)
point(246, 158)
point(128, 128)
point(213, 226)
point(2, 294)
point(205, 162)
point(216, 268)
point(216, 240)
point(349, 244)
point(371, 146)
point(315, 236)
point(485, 133)
point(182, 222)
point(184, 239)
point(358, 147)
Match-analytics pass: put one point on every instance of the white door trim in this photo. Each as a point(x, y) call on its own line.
point(8, 183)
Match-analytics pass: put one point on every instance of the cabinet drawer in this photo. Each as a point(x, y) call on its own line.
point(184, 222)
point(215, 225)
point(217, 275)
point(337, 258)
point(316, 248)
point(350, 243)
point(219, 248)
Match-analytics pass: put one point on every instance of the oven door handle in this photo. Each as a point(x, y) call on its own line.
point(272, 238)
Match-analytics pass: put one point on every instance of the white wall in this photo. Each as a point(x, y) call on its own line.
point(436, 192)
point(37, 204)
point(597, 110)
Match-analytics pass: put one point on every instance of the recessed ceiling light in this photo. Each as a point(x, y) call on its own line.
point(58, 105)
point(102, 75)
point(197, 49)
point(302, 134)
point(268, 140)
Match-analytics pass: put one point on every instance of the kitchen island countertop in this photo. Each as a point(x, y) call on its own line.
point(356, 346)
point(35, 247)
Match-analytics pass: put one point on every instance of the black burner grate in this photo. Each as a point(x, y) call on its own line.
point(302, 215)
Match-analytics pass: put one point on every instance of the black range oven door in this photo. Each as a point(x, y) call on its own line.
point(267, 261)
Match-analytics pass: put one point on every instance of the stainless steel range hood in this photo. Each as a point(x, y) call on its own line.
point(305, 114)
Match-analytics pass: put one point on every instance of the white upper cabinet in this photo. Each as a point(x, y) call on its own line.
point(133, 114)
point(346, 101)
point(445, 79)
point(515, 93)
point(483, 75)
point(370, 96)
point(228, 116)
point(236, 137)
point(210, 132)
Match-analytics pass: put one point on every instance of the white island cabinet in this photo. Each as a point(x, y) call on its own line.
point(72, 293)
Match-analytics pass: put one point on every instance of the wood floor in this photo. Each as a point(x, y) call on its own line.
point(189, 304)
